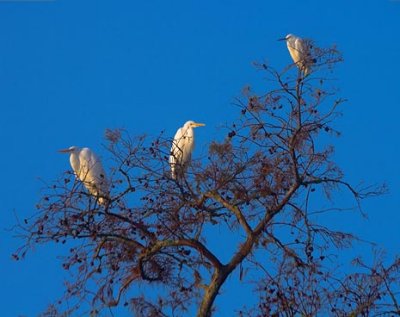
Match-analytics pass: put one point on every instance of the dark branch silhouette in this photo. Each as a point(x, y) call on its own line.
point(269, 182)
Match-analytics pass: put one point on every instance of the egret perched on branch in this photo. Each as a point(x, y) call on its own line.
point(182, 148)
point(299, 50)
point(89, 170)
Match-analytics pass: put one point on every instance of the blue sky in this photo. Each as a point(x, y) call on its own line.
point(71, 69)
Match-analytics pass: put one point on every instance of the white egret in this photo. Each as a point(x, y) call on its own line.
point(89, 170)
point(182, 148)
point(299, 50)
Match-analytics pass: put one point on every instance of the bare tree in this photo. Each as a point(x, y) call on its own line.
point(270, 182)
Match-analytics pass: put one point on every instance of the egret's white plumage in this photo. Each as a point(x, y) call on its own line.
point(182, 148)
point(299, 50)
point(89, 170)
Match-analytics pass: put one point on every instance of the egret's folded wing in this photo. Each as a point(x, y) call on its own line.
point(93, 174)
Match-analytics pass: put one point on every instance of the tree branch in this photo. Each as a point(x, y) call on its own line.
point(197, 245)
point(236, 211)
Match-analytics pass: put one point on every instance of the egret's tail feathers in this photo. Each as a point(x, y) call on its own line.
point(177, 171)
point(103, 200)
point(306, 70)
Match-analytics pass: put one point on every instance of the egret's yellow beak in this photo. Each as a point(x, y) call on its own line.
point(199, 124)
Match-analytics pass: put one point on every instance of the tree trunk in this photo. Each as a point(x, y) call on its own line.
point(211, 292)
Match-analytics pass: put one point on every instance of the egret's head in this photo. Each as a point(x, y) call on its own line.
point(287, 37)
point(69, 150)
point(192, 124)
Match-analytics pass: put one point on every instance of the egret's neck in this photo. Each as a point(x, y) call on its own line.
point(189, 132)
point(74, 160)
